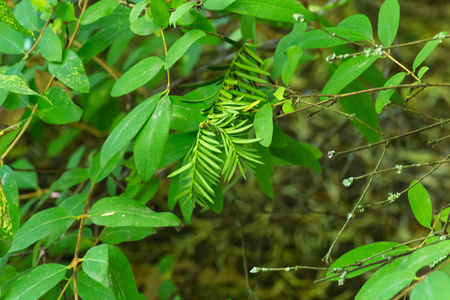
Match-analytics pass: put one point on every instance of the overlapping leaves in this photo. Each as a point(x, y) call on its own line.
point(223, 144)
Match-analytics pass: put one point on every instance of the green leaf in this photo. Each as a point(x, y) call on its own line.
point(420, 204)
point(264, 173)
point(386, 287)
point(137, 10)
point(74, 204)
point(107, 265)
point(8, 17)
point(178, 146)
point(6, 227)
point(160, 13)
point(422, 72)
point(13, 42)
point(293, 54)
point(98, 10)
point(347, 72)
point(287, 107)
point(26, 15)
point(96, 173)
point(89, 289)
point(41, 225)
point(117, 235)
point(217, 4)
point(384, 96)
point(71, 72)
point(150, 144)
point(137, 76)
point(127, 129)
point(263, 124)
point(180, 47)
point(388, 21)
point(11, 191)
point(61, 110)
point(180, 11)
point(297, 154)
point(121, 211)
point(65, 11)
point(358, 23)
point(280, 57)
point(217, 206)
point(51, 46)
point(144, 27)
point(36, 283)
point(426, 51)
point(432, 287)
point(364, 252)
point(70, 178)
point(248, 28)
point(15, 84)
point(276, 10)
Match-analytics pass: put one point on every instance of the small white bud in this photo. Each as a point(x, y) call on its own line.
point(347, 182)
point(399, 169)
point(331, 154)
point(254, 270)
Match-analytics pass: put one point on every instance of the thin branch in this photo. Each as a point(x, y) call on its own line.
point(40, 36)
point(327, 257)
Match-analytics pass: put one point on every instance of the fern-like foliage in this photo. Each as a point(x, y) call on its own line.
point(223, 144)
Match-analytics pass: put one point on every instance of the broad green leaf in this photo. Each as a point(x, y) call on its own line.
point(160, 13)
point(287, 107)
point(384, 96)
point(101, 40)
point(364, 252)
point(137, 10)
point(276, 10)
point(264, 173)
point(297, 154)
point(293, 54)
point(97, 174)
point(122, 212)
point(26, 179)
point(13, 42)
point(280, 57)
point(358, 23)
point(362, 107)
point(150, 144)
point(180, 47)
point(26, 15)
point(65, 11)
point(98, 10)
point(426, 255)
point(263, 124)
point(386, 287)
point(137, 76)
point(107, 265)
point(347, 72)
point(217, 4)
point(127, 129)
point(432, 287)
point(426, 51)
point(11, 191)
point(422, 72)
point(51, 46)
point(144, 27)
point(75, 204)
point(388, 21)
point(200, 22)
point(41, 225)
point(15, 84)
point(248, 28)
point(117, 235)
point(7, 16)
point(61, 110)
point(89, 289)
point(180, 11)
point(71, 72)
point(420, 204)
point(36, 283)
point(6, 227)
point(178, 146)
point(70, 178)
